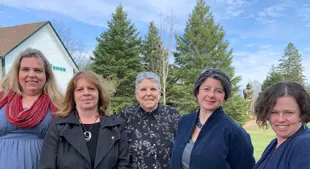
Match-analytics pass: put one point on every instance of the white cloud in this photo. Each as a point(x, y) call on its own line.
point(280, 31)
point(235, 2)
point(271, 22)
point(266, 46)
point(268, 15)
point(266, 21)
point(97, 12)
point(250, 65)
point(227, 9)
point(304, 13)
point(305, 63)
point(273, 11)
point(249, 45)
point(92, 12)
point(254, 65)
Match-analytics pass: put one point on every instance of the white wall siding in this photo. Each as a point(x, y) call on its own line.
point(48, 43)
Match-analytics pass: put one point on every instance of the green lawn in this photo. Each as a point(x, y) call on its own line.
point(260, 139)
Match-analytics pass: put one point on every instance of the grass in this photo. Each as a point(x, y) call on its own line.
point(260, 139)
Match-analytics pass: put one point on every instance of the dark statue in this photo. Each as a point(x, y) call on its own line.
point(248, 96)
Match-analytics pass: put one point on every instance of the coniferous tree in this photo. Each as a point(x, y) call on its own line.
point(290, 65)
point(155, 57)
point(273, 77)
point(197, 49)
point(117, 57)
point(153, 50)
point(203, 46)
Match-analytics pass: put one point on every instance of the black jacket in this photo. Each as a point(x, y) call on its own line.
point(64, 146)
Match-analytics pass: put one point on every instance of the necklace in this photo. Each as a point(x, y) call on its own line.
point(87, 133)
point(199, 125)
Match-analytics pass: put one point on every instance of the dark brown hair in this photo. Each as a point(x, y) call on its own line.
point(268, 98)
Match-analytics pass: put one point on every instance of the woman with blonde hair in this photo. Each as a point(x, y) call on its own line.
point(28, 99)
point(84, 136)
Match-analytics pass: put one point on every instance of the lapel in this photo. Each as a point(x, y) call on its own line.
point(213, 120)
point(73, 133)
point(285, 148)
point(108, 135)
point(282, 150)
point(266, 152)
point(189, 130)
point(184, 134)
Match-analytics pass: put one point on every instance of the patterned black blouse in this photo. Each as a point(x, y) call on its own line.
point(150, 135)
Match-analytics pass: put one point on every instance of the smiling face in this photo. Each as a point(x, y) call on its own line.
point(86, 95)
point(210, 95)
point(285, 117)
point(32, 75)
point(148, 94)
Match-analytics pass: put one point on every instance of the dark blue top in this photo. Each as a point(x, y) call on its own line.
point(221, 143)
point(294, 153)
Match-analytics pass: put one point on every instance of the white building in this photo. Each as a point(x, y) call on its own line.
point(41, 36)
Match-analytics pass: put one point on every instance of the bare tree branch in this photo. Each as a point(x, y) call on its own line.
point(75, 47)
point(167, 25)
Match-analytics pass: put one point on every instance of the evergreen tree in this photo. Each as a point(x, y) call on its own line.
point(237, 109)
point(155, 57)
point(290, 65)
point(153, 51)
point(273, 77)
point(202, 46)
point(117, 57)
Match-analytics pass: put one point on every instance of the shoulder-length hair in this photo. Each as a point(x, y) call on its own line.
point(69, 105)
point(11, 81)
point(268, 98)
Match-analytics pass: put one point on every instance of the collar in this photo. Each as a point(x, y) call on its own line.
point(284, 145)
point(154, 113)
point(212, 120)
point(218, 112)
point(299, 131)
point(105, 121)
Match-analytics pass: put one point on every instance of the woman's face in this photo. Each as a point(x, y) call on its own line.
point(31, 75)
point(210, 95)
point(148, 94)
point(86, 95)
point(285, 117)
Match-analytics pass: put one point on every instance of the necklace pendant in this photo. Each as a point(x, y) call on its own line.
point(199, 125)
point(87, 135)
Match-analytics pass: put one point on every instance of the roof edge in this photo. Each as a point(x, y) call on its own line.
point(49, 23)
point(25, 39)
point(63, 44)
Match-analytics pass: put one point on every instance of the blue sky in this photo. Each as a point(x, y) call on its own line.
point(258, 30)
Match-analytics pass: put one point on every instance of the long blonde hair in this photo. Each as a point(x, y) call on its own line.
point(69, 105)
point(11, 82)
